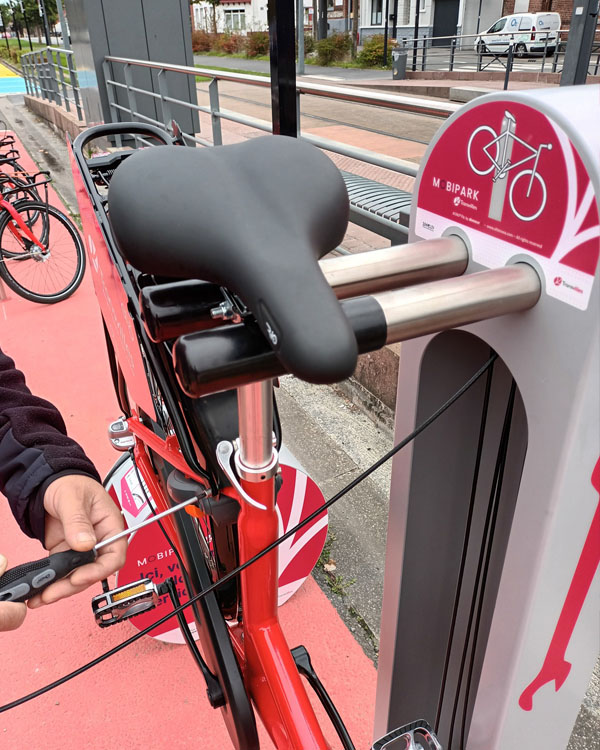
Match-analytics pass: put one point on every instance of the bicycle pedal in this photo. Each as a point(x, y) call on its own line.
point(416, 736)
point(120, 435)
point(124, 602)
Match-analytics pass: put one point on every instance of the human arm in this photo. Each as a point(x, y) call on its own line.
point(52, 487)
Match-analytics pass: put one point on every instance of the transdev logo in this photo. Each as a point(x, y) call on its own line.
point(559, 281)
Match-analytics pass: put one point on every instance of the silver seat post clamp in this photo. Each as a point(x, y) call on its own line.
point(256, 474)
point(225, 452)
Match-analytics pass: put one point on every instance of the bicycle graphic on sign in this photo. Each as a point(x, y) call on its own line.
point(482, 161)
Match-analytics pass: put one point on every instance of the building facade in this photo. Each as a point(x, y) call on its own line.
point(437, 18)
point(240, 16)
point(564, 7)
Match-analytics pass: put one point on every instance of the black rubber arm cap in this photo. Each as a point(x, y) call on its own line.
point(254, 217)
point(228, 357)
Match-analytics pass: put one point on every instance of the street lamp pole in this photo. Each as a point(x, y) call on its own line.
point(24, 12)
point(63, 25)
point(44, 15)
point(479, 15)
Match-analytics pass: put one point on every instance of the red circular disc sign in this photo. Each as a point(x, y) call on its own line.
point(150, 556)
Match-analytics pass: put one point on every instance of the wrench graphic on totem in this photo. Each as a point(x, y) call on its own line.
point(555, 667)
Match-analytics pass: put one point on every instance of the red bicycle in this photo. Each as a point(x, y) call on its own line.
point(41, 253)
point(193, 364)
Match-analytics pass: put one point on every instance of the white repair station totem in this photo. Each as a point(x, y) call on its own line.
point(490, 623)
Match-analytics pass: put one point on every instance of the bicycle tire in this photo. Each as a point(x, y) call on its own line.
point(19, 257)
point(481, 129)
point(535, 215)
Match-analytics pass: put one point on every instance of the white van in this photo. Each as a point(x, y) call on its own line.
point(527, 31)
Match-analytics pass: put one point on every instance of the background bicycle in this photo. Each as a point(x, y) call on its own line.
point(41, 253)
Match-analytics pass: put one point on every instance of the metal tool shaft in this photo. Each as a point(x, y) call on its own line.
point(147, 522)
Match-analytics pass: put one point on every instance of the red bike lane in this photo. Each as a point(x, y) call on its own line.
point(151, 694)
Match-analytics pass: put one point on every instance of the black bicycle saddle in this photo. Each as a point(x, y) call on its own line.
point(254, 217)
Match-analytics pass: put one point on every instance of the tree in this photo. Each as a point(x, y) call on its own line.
point(213, 4)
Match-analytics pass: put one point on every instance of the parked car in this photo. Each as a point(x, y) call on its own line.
point(527, 31)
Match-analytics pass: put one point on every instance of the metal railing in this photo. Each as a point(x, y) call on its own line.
point(126, 100)
point(165, 100)
point(50, 74)
point(504, 52)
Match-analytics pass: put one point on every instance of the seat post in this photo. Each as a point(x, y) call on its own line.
point(255, 409)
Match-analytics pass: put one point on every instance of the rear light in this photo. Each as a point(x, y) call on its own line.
point(533, 35)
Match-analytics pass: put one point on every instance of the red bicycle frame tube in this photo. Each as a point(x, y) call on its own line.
point(270, 672)
point(6, 206)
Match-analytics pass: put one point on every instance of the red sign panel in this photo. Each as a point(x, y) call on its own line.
point(512, 180)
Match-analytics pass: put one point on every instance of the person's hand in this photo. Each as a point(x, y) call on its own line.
point(80, 513)
point(12, 614)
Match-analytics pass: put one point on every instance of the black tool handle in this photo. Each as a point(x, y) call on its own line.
point(24, 581)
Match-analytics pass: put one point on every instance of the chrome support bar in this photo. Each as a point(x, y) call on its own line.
point(450, 303)
point(392, 267)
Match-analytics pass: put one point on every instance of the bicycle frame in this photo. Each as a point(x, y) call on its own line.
point(507, 165)
point(21, 228)
point(269, 671)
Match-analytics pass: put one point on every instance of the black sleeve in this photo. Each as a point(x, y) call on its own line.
point(34, 449)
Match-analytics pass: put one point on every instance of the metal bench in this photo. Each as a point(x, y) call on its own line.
point(379, 208)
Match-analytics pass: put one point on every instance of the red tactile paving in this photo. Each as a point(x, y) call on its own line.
point(150, 696)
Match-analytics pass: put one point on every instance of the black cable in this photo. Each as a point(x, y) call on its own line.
point(488, 528)
point(465, 546)
point(265, 551)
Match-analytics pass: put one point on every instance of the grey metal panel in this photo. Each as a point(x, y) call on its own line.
point(173, 44)
point(83, 16)
point(138, 29)
point(436, 528)
point(126, 32)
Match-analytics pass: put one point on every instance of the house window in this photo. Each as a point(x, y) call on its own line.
point(235, 20)
point(376, 12)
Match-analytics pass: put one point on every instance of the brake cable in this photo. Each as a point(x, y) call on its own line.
point(315, 514)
